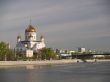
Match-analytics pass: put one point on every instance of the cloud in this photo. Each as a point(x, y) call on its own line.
point(62, 22)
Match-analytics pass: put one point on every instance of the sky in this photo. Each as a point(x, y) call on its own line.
point(65, 24)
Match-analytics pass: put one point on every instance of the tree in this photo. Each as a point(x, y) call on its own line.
point(47, 53)
point(3, 50)
point(10, 54)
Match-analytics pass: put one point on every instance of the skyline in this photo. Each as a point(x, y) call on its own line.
point(65, 24)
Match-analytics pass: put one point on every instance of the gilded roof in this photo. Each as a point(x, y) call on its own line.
point(41, 36)
point(30, 28)
point(18, 36)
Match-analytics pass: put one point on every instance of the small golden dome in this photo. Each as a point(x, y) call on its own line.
point(18, 37)
point(41, 36)
point(30, 28)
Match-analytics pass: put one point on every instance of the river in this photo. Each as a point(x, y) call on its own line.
point(77, 72)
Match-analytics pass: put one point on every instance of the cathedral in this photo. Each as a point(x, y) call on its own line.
point(31, 44)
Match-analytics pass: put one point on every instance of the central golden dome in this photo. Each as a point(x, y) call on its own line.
point(30, 28)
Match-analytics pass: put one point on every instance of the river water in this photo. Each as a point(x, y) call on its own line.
point(77, 72)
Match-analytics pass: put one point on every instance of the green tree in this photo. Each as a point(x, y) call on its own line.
point(10, 54)
point(3, 50)
point(47, 53)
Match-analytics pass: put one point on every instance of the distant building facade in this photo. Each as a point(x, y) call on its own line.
point(31, 43)
point(81, 50)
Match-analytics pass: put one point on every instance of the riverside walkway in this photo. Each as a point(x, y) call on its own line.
point(42, 62)
point(46, 62)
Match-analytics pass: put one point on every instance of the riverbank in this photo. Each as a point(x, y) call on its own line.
point(47, 62)
point(42, 62)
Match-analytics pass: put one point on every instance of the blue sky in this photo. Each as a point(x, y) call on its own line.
point(65, 24)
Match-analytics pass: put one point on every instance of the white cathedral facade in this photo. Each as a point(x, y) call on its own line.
point(31, 43)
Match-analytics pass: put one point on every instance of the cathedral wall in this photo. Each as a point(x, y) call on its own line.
point(30, 36)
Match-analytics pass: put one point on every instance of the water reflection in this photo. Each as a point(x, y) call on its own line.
point(80, 72)
point(30, 67)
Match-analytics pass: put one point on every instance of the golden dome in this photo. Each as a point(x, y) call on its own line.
point(30, 28)
point(41, 36)
point(18, 37)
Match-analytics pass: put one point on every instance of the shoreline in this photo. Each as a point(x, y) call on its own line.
point(40, 62)
point(47, 62)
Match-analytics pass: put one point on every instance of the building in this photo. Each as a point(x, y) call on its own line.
point(31, 43)
point(81, 50)
point(64, 53)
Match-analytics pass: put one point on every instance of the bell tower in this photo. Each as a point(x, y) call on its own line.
point(42, 38)
point(18, 38)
